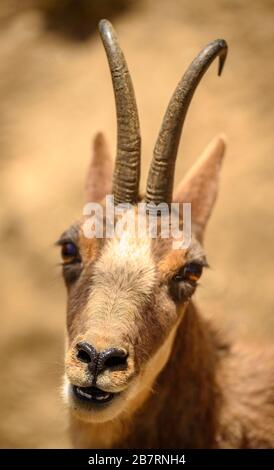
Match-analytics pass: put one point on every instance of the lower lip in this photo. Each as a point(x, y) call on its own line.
point(92, 395)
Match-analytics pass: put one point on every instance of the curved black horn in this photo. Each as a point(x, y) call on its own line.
point(161, 173)
point(127, 167)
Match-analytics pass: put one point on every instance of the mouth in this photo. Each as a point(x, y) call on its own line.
point(92, 395)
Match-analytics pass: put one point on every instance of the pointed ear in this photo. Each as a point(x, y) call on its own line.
point(99, 177)
point(200, 185)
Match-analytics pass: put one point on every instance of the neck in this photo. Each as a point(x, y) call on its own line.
point(192, 398)
point(183, 409)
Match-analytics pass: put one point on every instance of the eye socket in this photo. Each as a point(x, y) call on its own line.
point(69, 252)
point(190, 272)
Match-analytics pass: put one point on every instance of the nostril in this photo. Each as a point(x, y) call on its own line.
point(114, 359)
point(86, 353)
point(83, 356)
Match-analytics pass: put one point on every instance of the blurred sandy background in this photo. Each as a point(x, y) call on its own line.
point(55, 93)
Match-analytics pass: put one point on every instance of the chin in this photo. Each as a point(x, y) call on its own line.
point(93, 405)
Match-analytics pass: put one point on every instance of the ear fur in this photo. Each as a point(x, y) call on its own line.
point(100, 171)
point(200, 185)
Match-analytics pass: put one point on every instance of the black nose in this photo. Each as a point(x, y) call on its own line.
point(112, 358)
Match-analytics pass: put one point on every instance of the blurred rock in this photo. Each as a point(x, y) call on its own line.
point(73, 19)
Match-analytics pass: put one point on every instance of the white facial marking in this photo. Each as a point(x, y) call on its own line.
point(123, 278)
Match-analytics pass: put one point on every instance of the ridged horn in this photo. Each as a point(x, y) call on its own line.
point(127, 166)
point(161, 173)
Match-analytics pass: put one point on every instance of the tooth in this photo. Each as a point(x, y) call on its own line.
point(104, 397)
point(84, 394)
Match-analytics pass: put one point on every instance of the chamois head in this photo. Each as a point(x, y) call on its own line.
point(127, 294)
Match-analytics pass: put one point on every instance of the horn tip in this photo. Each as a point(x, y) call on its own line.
point(104, 25)
point(222, 44)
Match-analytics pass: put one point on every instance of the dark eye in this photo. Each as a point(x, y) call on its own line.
point(69, 252)
point(183, 284)
point(190, 272)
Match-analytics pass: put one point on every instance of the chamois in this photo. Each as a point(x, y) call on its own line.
point(143, 367)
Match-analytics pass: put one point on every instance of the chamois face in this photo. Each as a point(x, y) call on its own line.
point(126, 294)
